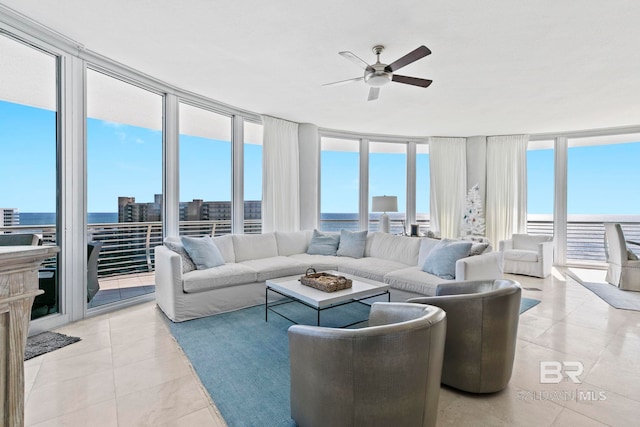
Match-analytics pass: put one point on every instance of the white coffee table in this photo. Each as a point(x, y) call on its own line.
point(291, 288)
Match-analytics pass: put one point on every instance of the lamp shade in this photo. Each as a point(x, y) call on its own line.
point(384, 204)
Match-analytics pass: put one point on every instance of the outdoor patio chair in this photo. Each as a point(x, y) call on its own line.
point(624, 266)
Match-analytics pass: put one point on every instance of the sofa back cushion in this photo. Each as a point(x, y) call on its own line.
point(254, 246)
point(527, 242)
point(225, 244)
point(291, 243)
point(395, 248)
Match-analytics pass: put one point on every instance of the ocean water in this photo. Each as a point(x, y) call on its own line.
point(49, 218)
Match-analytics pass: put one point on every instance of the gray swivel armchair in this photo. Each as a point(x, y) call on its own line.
point(482, 326)
point(385, 374)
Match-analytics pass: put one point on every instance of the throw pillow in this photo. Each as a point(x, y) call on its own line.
point(441, 261)
point(478, 248)
point(352, 243)
point(631, 256)
point(187, 262)
point(426, 246)
point(204, 253)
point(323, 243)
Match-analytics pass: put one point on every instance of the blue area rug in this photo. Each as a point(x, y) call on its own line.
point(243, 361)
point(527, 303)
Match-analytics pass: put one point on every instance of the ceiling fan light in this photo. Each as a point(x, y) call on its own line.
point(378, 79)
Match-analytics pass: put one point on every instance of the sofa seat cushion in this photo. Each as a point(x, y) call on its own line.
point(413, 279)
point(218, 277)
point(321, 262)
point(278, 266)
point(521, 255)
point(370, 267)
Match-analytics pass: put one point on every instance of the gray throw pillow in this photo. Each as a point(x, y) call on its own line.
point(187, 262)
point(631, 256)
point(204, 253)
point(352, 243)
point(478, 248)
point(323, 243)
point(441, 261)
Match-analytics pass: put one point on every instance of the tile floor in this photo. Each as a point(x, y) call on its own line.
point(128, 371)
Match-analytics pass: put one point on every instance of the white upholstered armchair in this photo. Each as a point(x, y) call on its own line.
point(624, 267)
point(528, 255)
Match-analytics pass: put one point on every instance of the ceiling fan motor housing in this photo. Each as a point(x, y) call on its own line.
point(378, 76)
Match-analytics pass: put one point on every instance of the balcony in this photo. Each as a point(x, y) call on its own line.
point(126, 260)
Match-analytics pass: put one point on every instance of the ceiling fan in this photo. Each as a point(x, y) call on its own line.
point(380, 74)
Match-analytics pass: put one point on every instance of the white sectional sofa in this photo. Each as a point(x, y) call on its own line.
point(251, 259)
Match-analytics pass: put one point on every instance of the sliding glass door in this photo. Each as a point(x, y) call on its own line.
point(124, 188)
point(28, 169)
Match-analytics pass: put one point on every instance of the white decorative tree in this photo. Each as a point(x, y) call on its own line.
point(473, 219)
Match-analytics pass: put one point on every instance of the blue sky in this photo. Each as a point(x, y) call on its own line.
point(126, 160)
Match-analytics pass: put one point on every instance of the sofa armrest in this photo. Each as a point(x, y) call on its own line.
point(168, 278)
point(480, 267)
point(505, 245)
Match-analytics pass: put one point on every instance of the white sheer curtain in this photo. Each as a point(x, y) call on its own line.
point(280, 182)
point(506, 208)
point(448, 168)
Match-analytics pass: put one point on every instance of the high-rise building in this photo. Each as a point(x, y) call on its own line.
point(195, 210)
point(9, 217)
point(130, 211)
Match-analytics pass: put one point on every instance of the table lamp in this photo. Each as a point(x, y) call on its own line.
point(384, 204)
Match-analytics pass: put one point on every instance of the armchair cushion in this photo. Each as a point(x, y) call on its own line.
point(521, 255)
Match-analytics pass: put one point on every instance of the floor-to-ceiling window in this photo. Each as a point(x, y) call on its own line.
point(124, 188)
point(540, 187)
point(252, 177)
point(388, 177)
point(602, 182)
point(28, 167)
point(423, 187)
point(339, 184)
point(205, 172)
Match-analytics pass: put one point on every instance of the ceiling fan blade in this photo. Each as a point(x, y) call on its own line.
point(355, 59)
point(341, 82)
point(373, 93)
point(411, 80)
point(410, 57)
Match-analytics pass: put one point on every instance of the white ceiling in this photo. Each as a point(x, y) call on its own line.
point(498, 66)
